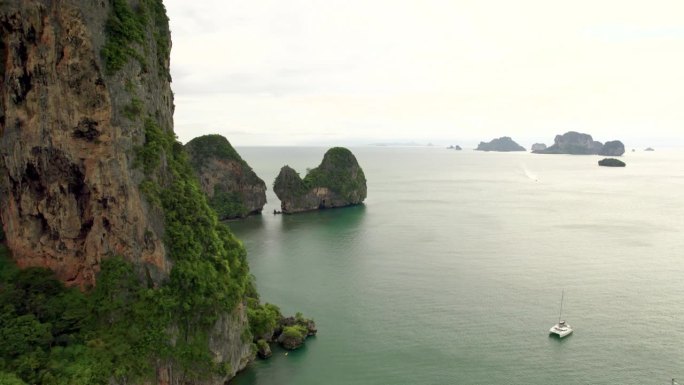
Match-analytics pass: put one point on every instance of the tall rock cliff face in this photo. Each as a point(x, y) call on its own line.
point(233, 189)
point(89, 169)
point(337, 182)
point(70, 191)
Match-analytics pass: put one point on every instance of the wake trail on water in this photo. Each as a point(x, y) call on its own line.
point(529, 173)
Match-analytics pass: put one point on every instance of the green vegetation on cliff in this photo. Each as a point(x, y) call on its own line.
point(228, 204)
point(210, 273)
point(124, 29)
point(294, 331)
point(263, 318)
point(125, 32)
point(57, 335)
point(205, 147)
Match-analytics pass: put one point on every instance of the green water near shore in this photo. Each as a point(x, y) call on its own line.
point(452, 271)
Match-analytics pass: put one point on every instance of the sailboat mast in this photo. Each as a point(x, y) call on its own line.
point(561, 307)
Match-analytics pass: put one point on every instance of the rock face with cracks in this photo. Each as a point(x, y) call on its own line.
point(70, 194)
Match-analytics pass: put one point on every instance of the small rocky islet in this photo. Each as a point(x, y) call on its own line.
point(269, 326)
point(338, 181)
point(611, 162)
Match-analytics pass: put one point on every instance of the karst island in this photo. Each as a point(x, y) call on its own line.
point(338, 181)
point(233, 188)
point(502, 144)
point(575, 143)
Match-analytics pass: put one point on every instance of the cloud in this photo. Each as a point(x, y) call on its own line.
point(413, 69)
point(630, 33)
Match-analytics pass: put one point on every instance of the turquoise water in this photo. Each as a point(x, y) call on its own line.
point(452, 272)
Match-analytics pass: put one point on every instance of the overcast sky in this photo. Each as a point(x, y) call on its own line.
point(299, 72)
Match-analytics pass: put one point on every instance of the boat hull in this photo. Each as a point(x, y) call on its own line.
point(561, 331)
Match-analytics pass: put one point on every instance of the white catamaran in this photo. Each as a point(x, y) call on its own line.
point(561, 329)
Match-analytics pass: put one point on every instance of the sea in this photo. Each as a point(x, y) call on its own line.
point(452, 271)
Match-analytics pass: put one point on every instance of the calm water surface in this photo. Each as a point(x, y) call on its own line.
point(452, 271)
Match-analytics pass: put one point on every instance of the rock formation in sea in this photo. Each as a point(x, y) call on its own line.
point(456, 147)
point(269, 326)
point(538, 147)
point(612, 148)
point(503, 144)
point(611, 162)
point(337, 182)
point(233, 189)
point(649, 149)
point(576, 143)
point(292, 331)
point(90, 171)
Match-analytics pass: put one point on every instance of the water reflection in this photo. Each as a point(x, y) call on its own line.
point(251, 223)
point(339, 217)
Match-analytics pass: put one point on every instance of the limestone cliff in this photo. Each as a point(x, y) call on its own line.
point(233, 189)
point(69, 190)
point(503, 144)
point(576, 143)
point(337, 182)
point(89, 170)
